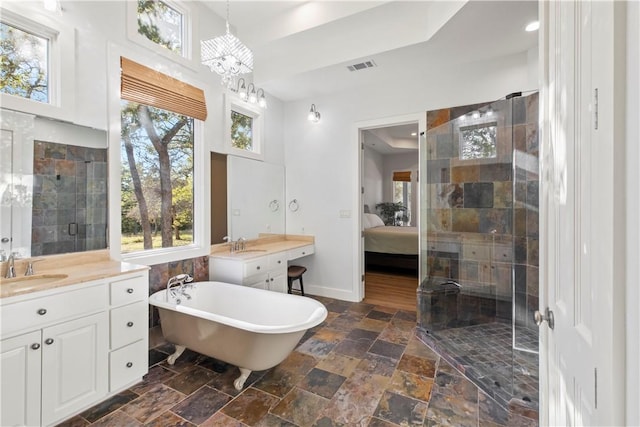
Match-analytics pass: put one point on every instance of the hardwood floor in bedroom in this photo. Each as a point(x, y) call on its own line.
point(390, 289)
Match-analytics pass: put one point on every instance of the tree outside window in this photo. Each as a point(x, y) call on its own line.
point(157, 178)
point(162, 24)
point(478, 141)
point(24, 64)
point(241, 131)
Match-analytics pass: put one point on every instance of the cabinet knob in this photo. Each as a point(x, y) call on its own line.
point(304, 253)
point(48, 341)
point(272, 279)
point(129, 290)
point(42, 311)
point(258, 268)
point(279, 262)
point(129, 324)
point(129, 364)
point(35, 346)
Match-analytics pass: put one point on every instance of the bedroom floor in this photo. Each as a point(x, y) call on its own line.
point(391, 289)
point(363, 366)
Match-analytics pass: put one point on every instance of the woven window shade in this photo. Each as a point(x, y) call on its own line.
point(404, 176)
point(146, 86)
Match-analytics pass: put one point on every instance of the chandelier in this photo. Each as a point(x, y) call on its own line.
point(226, 55)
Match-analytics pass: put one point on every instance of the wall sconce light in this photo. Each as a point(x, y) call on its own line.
point(250, 94)
point(314, 115)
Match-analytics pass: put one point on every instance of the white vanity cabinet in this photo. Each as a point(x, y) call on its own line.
point(56, 348)
point(267, 271)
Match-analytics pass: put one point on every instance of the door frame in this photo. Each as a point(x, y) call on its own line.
point(358, 256)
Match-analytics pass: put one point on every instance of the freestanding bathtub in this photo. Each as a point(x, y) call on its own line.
point(250, 328)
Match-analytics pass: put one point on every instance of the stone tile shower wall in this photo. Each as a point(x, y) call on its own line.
point(475, 231)
point(69, 199)
point(159, 275)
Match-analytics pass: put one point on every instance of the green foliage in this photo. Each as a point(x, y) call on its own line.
point(479, 141)
point(152, 14)
point(387, 211)
point(23, 64)
point(157, 173)
point(241, 131)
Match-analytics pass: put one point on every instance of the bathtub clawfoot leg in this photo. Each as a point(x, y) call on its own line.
point(239, 382)
point(179, 350)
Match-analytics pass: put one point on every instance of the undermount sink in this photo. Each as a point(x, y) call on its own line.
point(35, 280)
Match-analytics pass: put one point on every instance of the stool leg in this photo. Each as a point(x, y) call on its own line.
point(301, 286)
point(289, 284)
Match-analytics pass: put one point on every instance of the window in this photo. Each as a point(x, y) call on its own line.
point(402, 195)
point(478, 141)
point(244, 123)
point(161, 23)
point(241, 131)
point(159, 117)
point(24, 56)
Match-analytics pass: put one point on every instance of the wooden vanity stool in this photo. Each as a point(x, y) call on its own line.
point(295, 272)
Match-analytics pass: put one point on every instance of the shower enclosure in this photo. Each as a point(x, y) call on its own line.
point(479, 244)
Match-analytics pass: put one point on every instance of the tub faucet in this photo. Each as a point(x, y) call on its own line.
point(181, 281)
point(11, 269)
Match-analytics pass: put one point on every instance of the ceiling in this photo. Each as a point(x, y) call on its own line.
point(302, 48)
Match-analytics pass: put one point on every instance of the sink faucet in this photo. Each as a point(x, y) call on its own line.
point(11, 269)
point(240, 244)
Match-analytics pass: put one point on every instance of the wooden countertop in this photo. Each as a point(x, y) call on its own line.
point(265, 244)
point(55, 271)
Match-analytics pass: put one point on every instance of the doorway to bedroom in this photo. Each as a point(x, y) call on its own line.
point(390, 213)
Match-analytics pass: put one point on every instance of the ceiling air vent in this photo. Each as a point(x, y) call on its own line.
point(361, 66)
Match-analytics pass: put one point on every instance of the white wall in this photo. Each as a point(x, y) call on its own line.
point(372, 177)
point(322, 158)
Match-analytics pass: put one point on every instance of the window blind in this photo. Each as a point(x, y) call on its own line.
point(404, 176)
point(146, 86)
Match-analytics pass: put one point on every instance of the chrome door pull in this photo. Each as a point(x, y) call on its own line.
point(539, 317)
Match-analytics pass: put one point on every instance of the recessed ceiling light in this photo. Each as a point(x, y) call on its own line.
point(533, 26)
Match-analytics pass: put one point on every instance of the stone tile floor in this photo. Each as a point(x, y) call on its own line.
point(363, 366)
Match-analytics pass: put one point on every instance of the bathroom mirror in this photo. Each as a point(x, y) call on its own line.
point(53, 189)
point(255, 198)
point(53, 186)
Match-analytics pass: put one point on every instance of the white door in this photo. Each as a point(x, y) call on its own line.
point(74, 366)
point(580, 356)
point(20, 380)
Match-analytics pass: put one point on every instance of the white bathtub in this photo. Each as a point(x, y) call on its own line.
point(250, 328)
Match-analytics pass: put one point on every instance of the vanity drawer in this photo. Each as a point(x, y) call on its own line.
point(256, 266)
point(38, 312)
point(277, 260)
point(128, 323)
point(128, 290)
point(127, 365)
point(301, 251)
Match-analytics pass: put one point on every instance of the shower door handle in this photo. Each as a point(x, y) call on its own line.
point(540, 317)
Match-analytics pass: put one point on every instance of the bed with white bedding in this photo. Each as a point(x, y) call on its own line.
point(389, 246)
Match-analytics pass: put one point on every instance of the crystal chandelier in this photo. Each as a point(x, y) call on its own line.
point(227, 55)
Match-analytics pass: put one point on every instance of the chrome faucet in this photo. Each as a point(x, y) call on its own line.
point(241, 244)
point(11, 269)
point(181, 281)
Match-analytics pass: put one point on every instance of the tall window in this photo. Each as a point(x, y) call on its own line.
point(244, 124)
point(157, 154)
point(24, 60)
point(402, 194)
point(162, 24)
